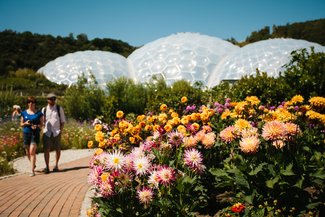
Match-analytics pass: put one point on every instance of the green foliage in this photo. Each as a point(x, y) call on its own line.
point(268, 89)
point(27, 50)
point(129, 97)
point(27, 82)
point(84, 100)
point(312, 31)
point(305, 73)
point(76, 135)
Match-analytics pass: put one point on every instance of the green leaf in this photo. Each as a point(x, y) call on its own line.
point(257, 169)
point(240, 178)
point(313, 205)
point(288, 171)
point(319, 174)
point(299, 183)
point(270, 183)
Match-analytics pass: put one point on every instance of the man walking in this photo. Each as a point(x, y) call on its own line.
point(54, 120)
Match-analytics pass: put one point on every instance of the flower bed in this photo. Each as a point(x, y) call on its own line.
point(234, 158)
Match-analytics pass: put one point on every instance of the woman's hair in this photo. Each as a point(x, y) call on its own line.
point(31, 99)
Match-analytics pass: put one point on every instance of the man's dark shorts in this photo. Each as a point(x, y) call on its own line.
point(31, 138)
point(52, 142)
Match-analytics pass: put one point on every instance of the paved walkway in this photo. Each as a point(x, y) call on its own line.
point(55, 194)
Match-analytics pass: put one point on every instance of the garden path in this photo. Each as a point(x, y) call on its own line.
point(55, 194)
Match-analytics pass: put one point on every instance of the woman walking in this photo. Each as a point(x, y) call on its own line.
point(32, 121)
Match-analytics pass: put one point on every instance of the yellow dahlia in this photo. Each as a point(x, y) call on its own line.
point(119, 114)
point(168, 127)
point(184, 99)
point(98, 127)
point(241, 124)
point(253, 100)
point(90, 144)
point(181, 129)
point(317, 101)
point(163, 107)
point(297, 99)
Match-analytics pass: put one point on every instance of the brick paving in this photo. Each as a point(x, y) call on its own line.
point(55, 194)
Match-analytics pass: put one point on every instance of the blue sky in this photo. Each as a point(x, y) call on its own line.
point(138, 22)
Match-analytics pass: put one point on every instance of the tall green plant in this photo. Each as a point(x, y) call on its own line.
point(305, 73)
point(84, 100)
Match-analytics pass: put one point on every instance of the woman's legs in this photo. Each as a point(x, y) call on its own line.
point(32, 153)
point(27, 149)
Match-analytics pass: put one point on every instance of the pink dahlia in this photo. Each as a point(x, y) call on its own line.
point(175, 138)
point(145, 195)
point(106, 189)
point(274, 130)
point(249, 144)
point(153, 179)
point(166, 175)
point(193, 159)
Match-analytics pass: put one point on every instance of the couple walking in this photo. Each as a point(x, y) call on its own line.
point(51, 118)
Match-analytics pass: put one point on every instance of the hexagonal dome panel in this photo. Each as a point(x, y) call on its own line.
point(188, 56)
point(104, 65)
point(268, 56)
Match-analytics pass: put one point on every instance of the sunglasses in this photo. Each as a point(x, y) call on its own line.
point(31, 102)
point(52, 98)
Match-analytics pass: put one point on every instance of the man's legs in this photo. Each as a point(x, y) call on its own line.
point(57, 145)
point(47, 145)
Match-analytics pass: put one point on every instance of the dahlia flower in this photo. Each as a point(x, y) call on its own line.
point(193, 159)
point(145, 195)
point(106, 189)
point(184, 99)
point(119, 114)
point(252, 131)
point(116, 160)
point(278, 143)
point(228, 134)
point(249, 144)
point(241, 124)
point(175, 138)
point(274, 130)
point(292, 129)
point(253, 100)
point(317, 101)
point(166, 175)
point(141, 165)
point(238, 207)
point(153, 179)
point(190, 141)
point(208, 140)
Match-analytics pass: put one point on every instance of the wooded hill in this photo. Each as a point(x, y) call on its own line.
point(32, 51)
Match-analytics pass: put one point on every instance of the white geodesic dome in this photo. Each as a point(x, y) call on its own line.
point(104, 65)
point(267, 56)
point(184, 56)
point(187, 56)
